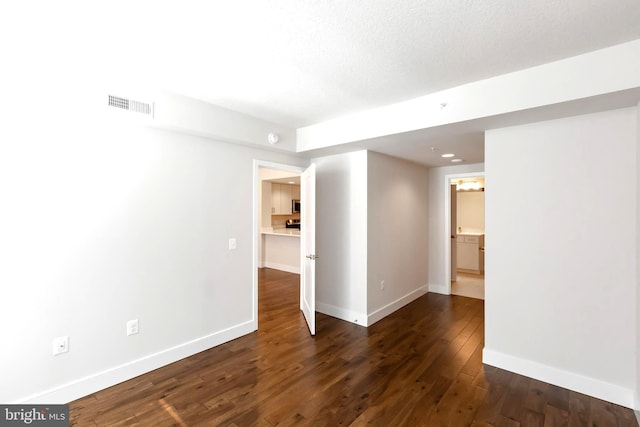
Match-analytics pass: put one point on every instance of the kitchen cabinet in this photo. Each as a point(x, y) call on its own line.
point(285, 199)
point(278, 199)
point(470, 256)
point(281, 199)
point(275, 198)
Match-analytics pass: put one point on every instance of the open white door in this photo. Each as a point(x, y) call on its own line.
point(308, 246)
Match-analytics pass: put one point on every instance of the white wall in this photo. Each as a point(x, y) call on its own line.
point(437, 233)
point(397, 237)
point(470, 211)
point(105, 221)
point(199, 118)
point(561, 252)
point(341, 236)
point(637, 397)
point(371, 226)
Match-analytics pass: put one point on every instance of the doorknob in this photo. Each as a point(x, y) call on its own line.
point(312, 257)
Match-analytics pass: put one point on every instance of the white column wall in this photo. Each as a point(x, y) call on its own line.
point(341, 236)
point(397, 237)
point(561, 252)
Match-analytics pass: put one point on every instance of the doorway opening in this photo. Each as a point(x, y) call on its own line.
point(279, 244)
point(465, 248)
point(281, 199)
point(265, 216)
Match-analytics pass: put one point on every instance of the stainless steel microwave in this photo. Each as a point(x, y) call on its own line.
point(295, 206)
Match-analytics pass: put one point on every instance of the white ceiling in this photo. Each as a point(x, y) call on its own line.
point(301, 63)
point(297, 63)
point(293, 180)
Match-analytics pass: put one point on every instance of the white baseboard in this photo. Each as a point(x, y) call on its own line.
point(364, 320)
point(107, 378)
point(341, 313)
point(438, 289)
point(283, 267)
point(572, 381)
point(395, 305)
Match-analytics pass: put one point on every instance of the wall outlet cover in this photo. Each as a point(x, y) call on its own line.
point(60, 345)
point(132, 327)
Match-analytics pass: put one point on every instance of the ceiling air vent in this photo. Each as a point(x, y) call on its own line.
point(145, 108)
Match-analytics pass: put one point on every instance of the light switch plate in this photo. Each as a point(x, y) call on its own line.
point(233, 244)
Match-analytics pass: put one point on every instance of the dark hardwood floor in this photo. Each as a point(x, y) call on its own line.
point(420, 366)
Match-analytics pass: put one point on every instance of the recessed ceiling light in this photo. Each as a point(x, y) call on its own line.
point(456, 160)
point(448, 155)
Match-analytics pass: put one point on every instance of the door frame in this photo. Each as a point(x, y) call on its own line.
point(257, 164)
point(447, 223)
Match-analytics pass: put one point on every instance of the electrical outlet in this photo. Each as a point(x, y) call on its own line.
point(60, 345)
point(233, 244)
point(132, 327)
point(382, 285)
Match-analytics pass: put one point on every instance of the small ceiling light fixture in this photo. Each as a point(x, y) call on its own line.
point(273, 138)
point(456, 160)
point(448, 155)
point(290, 182)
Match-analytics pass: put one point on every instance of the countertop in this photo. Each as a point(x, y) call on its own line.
point(294, 232)
point(470, 234)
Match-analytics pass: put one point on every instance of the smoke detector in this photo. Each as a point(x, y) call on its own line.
point(273, 138)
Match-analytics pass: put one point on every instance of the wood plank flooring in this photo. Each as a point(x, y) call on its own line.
point(420, 366)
